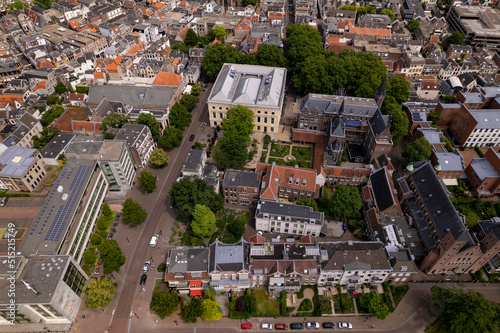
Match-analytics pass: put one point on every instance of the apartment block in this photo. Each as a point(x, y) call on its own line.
point(21, 169)
point(484, 174)
point(241, 187)
point(229, 266)
point(288, 219)
point(259, 88)
point(140, 140)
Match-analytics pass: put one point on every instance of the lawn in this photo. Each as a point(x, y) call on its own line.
point(472, 219)
point(278, 150)
point(266, 307)
point(302, 153)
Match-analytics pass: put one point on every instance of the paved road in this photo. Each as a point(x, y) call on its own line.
point(135, 241)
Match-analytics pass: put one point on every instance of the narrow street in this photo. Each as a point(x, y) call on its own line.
point(134, 242)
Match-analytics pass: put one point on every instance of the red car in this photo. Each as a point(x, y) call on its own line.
point(246, 326)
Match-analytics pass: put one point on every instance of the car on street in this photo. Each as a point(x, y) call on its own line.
point(328, 325)
point(191, 138)
point(281, 326)
point(143, 279)
point(246, 326)
point(153, 240)
point(297, 326)
point(312, 324)
point(146, 266)
point(345, 325)
point(266, 326)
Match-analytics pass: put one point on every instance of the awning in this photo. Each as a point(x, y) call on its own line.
point(197, 292)
point(195, 283)
point(450, 182)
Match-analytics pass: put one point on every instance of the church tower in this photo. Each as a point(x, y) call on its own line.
point(380, 94)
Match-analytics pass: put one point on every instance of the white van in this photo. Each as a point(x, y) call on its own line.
point(153, 240)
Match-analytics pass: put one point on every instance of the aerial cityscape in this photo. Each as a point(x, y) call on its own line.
point(196, 166)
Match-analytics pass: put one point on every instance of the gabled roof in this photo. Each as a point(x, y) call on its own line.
point(167, 79)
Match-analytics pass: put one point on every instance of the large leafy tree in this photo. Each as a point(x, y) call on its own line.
point(99, 292)
point(398, 88)
point(60, 88)
point(220, 32)
point(216, 56)
point(133, 213)
point(171, 137)
point(456, 38)
point(196, 89)
point(191, 309)
point(163, 304)
point(303, 42)
point(159, 158)
point(418, 150)
point(231, 151)
point(147, 181)
point(191, 38)
point(346, 201)
point(211, 310)
point(309, 202)
point(179, 116)
point(399, 124)
point(186, 194)
point(464, 312)
point(388, 12)
point(413, 25)
point(203, 221)
point(372, 303)
point(114, 120)
point(189, 101)
point(270, 55)
point(150, 121)
point(111, 255)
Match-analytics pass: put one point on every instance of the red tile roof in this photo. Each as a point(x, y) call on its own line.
point(244, 24)
point(64, 122)
point(167, 79)
point(383, 33)
point(279, 176)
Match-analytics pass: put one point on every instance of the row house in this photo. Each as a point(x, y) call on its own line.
point(460, 52)
point(352, 264)
point(104, 13)
point(229, 266)
point(70, 10)
point(286, 218)
point(187, 270)
point(283, 266)
point(337, 175)
point(27, 127)
point(241, 187)
point(283, 182)
point(45, 79)
point(484, 174)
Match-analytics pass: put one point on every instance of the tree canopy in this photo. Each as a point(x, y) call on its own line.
point(270, 55)
point(196, 89)
point(17, 5)
point(147, 181)
point(163, 304)
point(398, 88)
point(418, 150)
point(372, 303)
point(186, 194)
point(464, 312)
point(456, 38)
point(191, 309)
point(203, 221)
point(111, 255)
point(231, 151)
point(133, 213)
point(388, 12)
point(413, 25)
point(100, 293)
point(399, 124)
point(60, 88)
point(309, 202)
point(346, 201)
point(220, 32)
point(211, 310)
point(159, 158)
point(171, 137)
point(150, 121)
point(114, 120)
point(215, 56)
point(360, 11)
point(191, 38)
point(179, 116)
point(189, 101)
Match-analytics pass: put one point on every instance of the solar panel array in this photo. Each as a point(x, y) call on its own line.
point(63, 213)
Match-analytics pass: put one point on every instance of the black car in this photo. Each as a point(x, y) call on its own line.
point(328, 325)
point(297, 326)
point(191, 138)
point(143, 279)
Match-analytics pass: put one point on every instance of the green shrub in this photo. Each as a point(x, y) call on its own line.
point(162, 267)
point(89, 257)
point(306, 305)
point(96, 239)
point(479, 151)
point(398, 293)
point(284, 310)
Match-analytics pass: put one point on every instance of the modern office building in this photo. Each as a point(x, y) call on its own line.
point(259, 88)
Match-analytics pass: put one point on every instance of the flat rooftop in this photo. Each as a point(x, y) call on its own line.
point(57, 145)
point(131, 95)
point(52, 224)
point(294, 211)
point(185, 260)
point(112, 150)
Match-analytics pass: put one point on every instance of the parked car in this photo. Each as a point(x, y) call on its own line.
point(3, 201)
point(143, 279)
point(328, 325)
point(312, 324)
point(281, 326)
point(191, 138)
point(153, 240)
point(266, 326)
point(297, 326)
point(246, 326)
point(345, 325)
point(146, 266)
